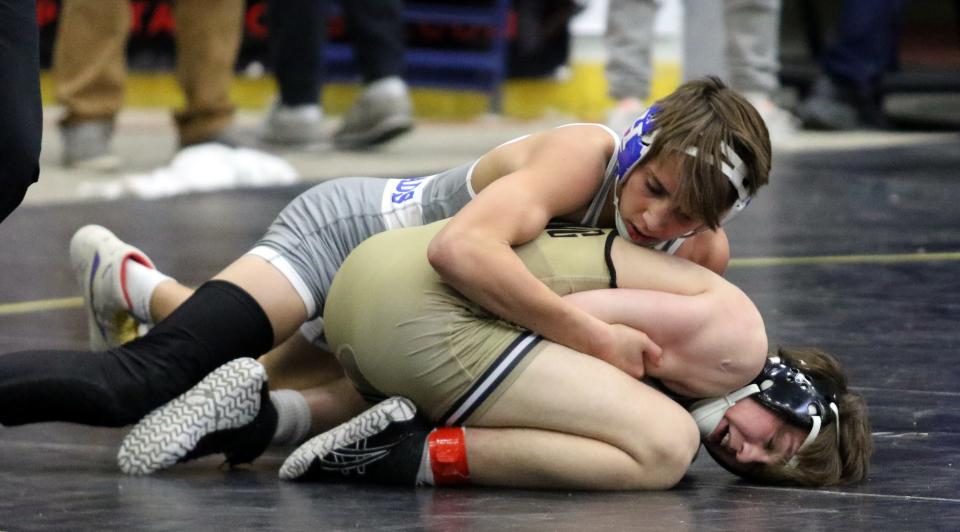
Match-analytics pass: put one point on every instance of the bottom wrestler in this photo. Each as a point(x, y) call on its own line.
point(540, 414)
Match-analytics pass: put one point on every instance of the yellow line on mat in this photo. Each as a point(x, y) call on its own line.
point(846, 259)
point(27, 307)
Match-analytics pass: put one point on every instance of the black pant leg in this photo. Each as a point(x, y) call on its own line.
point(297, 31)
point(378, 36)
point(219, 323)
point(20, 111)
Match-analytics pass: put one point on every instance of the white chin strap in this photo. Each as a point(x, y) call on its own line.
point(620, 224)
point(815, 431)
point(708, 412)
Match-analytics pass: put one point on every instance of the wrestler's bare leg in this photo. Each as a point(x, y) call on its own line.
point(605, 431)
point(166, 297)
point(271, 290)
point(333, 403)
point(568, 421)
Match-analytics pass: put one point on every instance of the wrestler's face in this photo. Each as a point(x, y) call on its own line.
point(648, 202)
point(751, 433)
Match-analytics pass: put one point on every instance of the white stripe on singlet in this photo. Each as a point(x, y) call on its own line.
point(487, 383)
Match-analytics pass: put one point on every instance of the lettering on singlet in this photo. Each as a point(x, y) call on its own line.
point(402, 202)
point(404, 189)
point(565, 230)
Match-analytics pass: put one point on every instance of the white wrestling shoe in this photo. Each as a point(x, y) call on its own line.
point(97, 257)
point(228, 412)
point(383, 444)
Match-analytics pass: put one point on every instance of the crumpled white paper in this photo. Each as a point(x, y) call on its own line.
point(200, 168)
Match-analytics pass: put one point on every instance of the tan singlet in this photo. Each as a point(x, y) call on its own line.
point(398, 329)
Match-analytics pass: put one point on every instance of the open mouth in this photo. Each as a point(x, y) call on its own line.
point(637, 235)
point(721, 436)
point(725, 439)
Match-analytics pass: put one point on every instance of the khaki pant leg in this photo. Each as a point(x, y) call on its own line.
point(208, 40)
point(89, 63)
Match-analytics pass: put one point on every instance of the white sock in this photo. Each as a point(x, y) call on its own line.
point(140, 284)
point(293, 417)
point(425, 472)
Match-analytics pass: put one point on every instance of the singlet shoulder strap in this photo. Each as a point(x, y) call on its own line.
point(609, 180)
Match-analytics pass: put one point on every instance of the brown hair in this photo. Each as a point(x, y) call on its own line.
point(704, 114)
point(822, 463)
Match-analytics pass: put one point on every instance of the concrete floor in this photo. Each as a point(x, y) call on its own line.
point(146, 140)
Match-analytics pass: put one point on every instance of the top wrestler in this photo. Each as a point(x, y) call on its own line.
point(690, 162)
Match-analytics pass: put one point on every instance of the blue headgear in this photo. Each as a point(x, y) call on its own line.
point(639, 137)
point(788, 391)
point(635, 141)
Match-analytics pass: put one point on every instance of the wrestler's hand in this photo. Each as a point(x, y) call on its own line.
point(632, 350)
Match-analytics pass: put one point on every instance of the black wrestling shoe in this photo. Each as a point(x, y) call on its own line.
point(382, 445)
point(228, 412)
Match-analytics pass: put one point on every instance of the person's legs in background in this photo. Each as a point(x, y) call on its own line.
point(847, 93)
point(704, 40)
point(208, 39)
point(752, 58)
point(383, 110)
point(296, 37)
point(89, 69)
point(629, 42)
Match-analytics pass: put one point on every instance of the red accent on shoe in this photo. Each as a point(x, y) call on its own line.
point(448, 456)
point(136, 257)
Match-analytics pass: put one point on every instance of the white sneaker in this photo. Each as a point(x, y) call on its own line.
point(293, 125)
point(86, 146)
point(781, 124)
point(624, 114)
point(382, 112)
point(98, 256)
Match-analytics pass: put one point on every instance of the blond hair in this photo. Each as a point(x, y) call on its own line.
point(705, 115)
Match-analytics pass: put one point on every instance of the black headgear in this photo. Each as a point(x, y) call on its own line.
point(788, 391)
point(802, 400)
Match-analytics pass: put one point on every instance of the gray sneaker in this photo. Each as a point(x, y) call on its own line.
point(382, 112)
point(86, 146)
point(292, 125)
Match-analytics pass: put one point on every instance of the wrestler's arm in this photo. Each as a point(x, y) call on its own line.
point(548, 175)
point(711, 334)
point(709, 249)
point(708, 348)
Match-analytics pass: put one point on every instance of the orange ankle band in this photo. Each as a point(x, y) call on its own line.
point(448, 456)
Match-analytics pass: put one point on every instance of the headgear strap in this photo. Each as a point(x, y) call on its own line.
point(800, 399)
